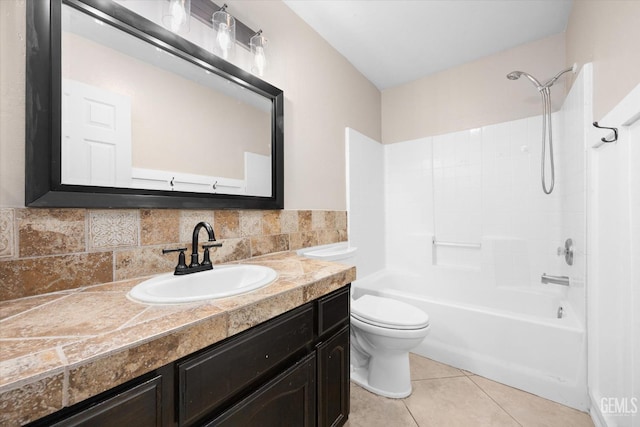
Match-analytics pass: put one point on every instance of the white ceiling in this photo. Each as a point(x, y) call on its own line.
point(393, 42)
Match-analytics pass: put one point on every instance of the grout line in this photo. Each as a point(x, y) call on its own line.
point(409, 411)
point(62, 293)
point(73, 338)
point(496, 402)
point(439, 378)
point(65, 387)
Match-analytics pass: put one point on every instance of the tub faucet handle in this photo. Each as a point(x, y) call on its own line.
point(567, 251)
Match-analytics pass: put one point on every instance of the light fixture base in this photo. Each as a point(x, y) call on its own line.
point(203, 10)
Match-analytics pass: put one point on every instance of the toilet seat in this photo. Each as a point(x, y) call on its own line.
point(388, 313)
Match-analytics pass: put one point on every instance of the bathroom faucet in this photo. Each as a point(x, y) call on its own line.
point(194, 241)
point(195, 264)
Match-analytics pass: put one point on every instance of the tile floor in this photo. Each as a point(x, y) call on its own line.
point(444, 396)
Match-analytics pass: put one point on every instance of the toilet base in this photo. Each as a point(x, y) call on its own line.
point(360, 376)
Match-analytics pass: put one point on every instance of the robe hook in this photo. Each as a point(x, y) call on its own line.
point(615, 133)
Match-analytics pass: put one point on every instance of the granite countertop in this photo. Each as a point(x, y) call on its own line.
point(61, 348)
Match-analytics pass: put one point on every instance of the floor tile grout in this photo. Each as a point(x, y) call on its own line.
point(495, 401)
point(409, 411)
point(439, 378)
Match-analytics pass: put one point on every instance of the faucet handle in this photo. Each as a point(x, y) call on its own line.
point(213, 245)
point(206, 258)
point(166, 251)
point(182, 265)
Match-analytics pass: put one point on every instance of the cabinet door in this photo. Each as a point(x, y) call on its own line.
point(138, 406)
point(333, 379)
point(289, 400)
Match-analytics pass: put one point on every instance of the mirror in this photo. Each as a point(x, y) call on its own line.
point(136, 116)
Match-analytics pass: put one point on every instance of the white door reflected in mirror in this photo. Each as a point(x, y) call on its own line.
point(96, 136)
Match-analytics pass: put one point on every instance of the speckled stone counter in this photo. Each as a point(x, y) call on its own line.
point(61, 348)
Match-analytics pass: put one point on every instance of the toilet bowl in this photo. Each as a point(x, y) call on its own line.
point(383, 331)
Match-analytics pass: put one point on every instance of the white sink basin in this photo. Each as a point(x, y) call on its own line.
point(222, 281)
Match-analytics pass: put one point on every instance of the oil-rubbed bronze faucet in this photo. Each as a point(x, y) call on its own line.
point(195, 264)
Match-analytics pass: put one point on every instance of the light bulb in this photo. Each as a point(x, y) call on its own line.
point(176, 15)
point(257, 44)
point(225, 27)
point(259, 61)
point(224, 39)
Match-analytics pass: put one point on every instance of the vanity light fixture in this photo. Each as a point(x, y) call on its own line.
point(224, 26)
point(258, 43)
point(229, 31)
point(176, 15)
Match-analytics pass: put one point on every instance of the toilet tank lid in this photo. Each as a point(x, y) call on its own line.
point(387, 311)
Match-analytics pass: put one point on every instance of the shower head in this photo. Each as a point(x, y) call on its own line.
point(552, 80)
point(515, 75)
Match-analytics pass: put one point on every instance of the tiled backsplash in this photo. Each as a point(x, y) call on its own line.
point(47, 250)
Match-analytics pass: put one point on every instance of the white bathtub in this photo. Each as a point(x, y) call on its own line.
point(511, 335)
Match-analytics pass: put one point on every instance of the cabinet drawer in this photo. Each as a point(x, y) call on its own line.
point(333, 310)
point(139, 406)
point(213, 377)
point(287, 400)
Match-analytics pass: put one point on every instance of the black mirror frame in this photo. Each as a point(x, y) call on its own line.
point(43, 187)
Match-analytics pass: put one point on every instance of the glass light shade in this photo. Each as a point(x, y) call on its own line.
point(176, 15)
point(258, 44)
point(224, 26)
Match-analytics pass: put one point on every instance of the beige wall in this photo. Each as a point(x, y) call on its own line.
point(473, 94)
point(323, 95)
point(12, 59)
point(606, 33)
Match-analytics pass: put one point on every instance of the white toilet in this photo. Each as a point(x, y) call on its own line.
point(383, 330)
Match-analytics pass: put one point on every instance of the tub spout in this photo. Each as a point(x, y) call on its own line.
point(556, 280)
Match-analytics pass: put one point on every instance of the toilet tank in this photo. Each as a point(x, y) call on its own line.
point(338, 252)
point(342, 253)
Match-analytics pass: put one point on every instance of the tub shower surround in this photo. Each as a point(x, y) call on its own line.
point(49, 250)
point(468, 235)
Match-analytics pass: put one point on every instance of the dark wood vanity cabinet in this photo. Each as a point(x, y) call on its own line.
point(138, 405)
point(332, 352)
point(234, 369)
point(292, 370)
point(333, 379)
point(287, 400)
